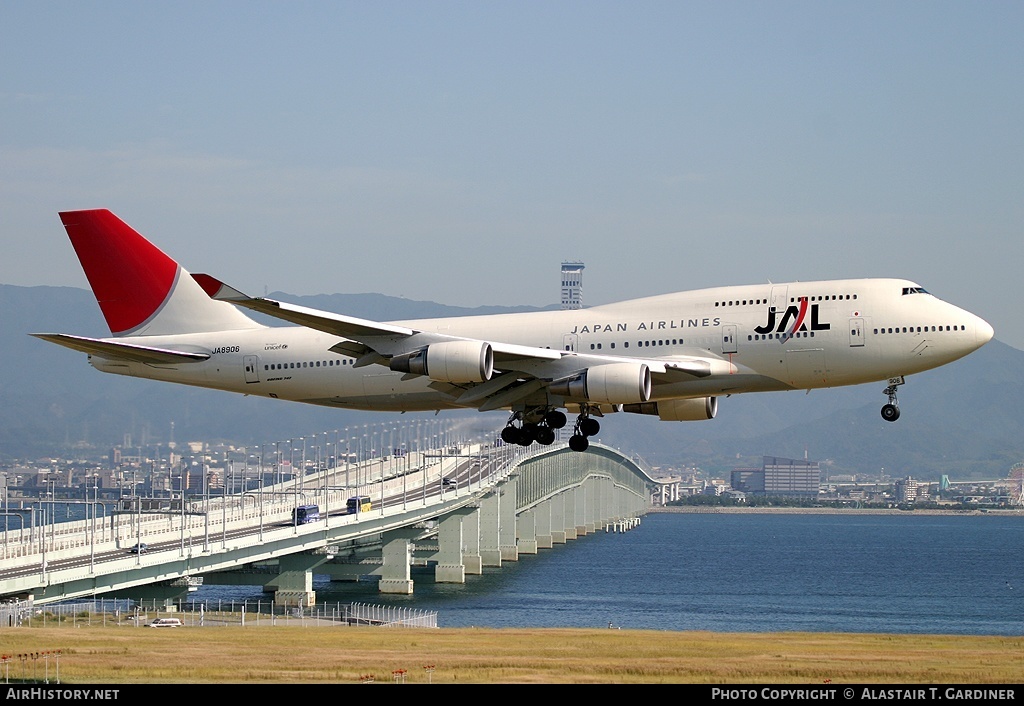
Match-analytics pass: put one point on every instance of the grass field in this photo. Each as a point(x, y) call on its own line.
point(93, 654)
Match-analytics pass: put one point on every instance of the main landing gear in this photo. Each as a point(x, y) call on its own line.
point(891, 411)
point(585, 426)
point(542, 431)
point(540, 426)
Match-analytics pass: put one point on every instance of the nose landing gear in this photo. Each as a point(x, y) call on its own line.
point(891, 411)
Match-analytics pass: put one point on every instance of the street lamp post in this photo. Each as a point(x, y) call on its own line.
point(96, 500)
point(138, 519)
point(7, 510)
point(134, 498)
point(42, 535)
point(361, 462)
point(52, 483)
point(181, 504)
point(348, 457)
point(302, 471)
point(206, 507)
point(277, 462)
point(7, 506)
point(224, 512)
point(261, 505)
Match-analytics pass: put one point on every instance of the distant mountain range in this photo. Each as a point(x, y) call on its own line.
point(965, 419)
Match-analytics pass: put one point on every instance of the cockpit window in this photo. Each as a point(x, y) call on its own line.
point(914, 290)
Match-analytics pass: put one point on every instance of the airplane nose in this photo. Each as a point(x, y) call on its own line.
point(983, 331)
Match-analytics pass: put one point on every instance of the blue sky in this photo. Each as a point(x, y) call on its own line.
point(458, 152)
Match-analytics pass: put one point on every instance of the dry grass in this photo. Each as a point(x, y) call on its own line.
point(274, 654)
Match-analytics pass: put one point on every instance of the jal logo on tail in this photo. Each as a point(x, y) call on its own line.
point(793, 320)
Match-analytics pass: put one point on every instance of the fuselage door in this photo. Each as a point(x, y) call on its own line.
point(728, 338)
point(251, 364)
point(780, 299)
point(856, 333)
point(570, 341)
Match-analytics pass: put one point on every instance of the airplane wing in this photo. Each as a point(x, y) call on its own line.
point(509, 374)
point(386, 340)
point(114, 350)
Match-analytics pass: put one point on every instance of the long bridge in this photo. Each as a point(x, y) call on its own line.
point(457, 509)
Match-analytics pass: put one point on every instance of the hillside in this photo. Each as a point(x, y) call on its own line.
point(966, 419)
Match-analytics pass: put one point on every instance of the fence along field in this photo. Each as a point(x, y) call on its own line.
point(212, 613)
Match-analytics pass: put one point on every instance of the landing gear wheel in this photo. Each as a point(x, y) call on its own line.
point(510, 435)
point(589, 426)
point(890, 413)
point(545, 435)
point(555, 419)
point(529, 433)
point(578, 442)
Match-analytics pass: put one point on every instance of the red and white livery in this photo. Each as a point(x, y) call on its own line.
point(671, 356)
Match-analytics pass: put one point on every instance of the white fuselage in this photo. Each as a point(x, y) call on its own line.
point(844, 332)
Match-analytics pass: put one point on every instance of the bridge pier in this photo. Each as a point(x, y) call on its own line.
point(490, 522)
point(526, 532)
point(450, 567)
point(395, 574)
point(558, 509)
point(569, 510)
point(471, 560)
point(507, 504)
point(584, 507)
point(542, 528)
point(597, 489)
point(293, 585)
point(498, 524)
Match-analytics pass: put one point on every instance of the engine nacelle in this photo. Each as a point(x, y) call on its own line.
point(688, 410)
point(615, 383)
point(451, 361)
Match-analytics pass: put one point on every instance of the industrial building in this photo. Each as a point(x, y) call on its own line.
point(779, 476)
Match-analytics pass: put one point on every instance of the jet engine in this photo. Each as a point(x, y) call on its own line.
point(689, 410)
point(615, 383)
point(450, 361)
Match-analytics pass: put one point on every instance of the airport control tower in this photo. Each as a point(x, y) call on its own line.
point(572, 285)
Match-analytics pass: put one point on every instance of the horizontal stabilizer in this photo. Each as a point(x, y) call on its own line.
point(113, 350)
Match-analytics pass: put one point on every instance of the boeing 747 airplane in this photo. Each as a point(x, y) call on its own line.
point(671, 356)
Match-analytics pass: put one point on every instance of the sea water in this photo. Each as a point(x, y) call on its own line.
point(908, 573)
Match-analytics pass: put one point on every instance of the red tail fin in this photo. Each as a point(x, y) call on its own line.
point(130, 276)
point(140, 290)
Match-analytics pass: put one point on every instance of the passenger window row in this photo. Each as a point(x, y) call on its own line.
point(824, 298)
point(792, 300)
point(642, 344)
point(307, 364)
point(919, 329)
point(779, 336)
point(742, 302)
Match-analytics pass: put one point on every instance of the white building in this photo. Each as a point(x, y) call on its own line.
point(572, 285)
